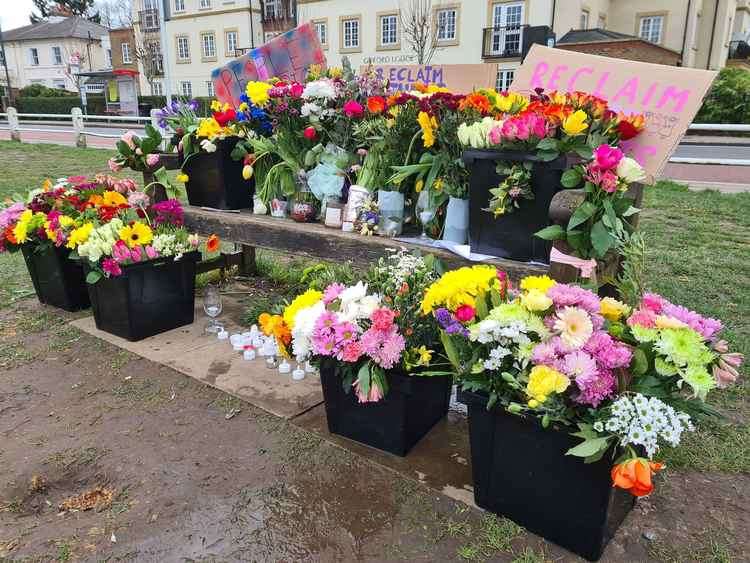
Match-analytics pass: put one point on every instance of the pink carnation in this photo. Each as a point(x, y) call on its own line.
point(152, 159)
point(382, 318)
point(111, 268)
point(645, 318)
point(353, 108)
point(496, 135)
point(351, 352)
point(653, 302)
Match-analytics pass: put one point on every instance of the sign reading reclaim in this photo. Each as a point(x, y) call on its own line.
point(668, 96)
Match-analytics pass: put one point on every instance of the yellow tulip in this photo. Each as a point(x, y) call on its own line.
point(575, 123)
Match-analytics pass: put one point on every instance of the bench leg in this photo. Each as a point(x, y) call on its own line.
point(248, 266)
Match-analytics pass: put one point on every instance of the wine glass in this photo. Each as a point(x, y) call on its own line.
point(212, 307)
point(426, 213)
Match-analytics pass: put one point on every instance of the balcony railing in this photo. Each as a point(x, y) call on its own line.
point(277, 11)
point(503, 42)
point(738, 50)
point(149, 20)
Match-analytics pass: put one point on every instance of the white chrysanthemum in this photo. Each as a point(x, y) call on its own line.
point(309, 108)
point(321, 89)
point(304, 323)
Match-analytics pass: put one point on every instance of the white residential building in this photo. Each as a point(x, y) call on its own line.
point(47, 52)
point(202, 35)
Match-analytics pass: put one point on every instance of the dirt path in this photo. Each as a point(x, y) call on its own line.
point(191, 484)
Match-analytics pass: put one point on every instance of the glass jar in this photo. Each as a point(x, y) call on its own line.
point(334, 213)
point(303, 205)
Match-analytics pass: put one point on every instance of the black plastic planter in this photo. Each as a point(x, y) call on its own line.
point(520, 471)
point(511, 235)
point(394, 424)
point(148, 298)
point(58, 281)
point(215, 179)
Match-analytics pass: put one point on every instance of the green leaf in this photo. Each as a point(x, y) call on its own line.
point(639, 363)
point(584, 152)
point(547, 144)
point(583, 213)
point(123, 148)
point(553, 232)
point(93, 276)
point(589, 447)
point(450, 351)
point(480, 304)
point(571, 178)
point(238, 152)
point(631, 211)
point(601, 239)
point(547, 156)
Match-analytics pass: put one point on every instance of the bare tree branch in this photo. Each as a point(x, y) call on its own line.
point(419, 29)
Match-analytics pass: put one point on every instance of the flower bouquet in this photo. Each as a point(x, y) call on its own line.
point(562, 379)
point(523, 147)
point(382, 381)
point(139, 261)
point(49, 222)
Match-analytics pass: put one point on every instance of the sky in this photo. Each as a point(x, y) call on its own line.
point(15, 13)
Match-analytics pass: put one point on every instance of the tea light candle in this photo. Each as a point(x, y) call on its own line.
point(222, 335)
point(309, 368)
point(298, 374)
point(248, 353)
point(271, 362)
point(284, 367)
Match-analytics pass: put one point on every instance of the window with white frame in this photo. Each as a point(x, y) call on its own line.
point(34, 56)
point(504, 79)
point(57, 55)
point(179, 5)
point(210, 88)
point(204, 4)
point(584, 19)
point(321, 29)
point(446, 24)
point(157, 88)
point(389, 29)
point(230, 38)
point(183, 48)
point(351, 34)
point(109, 58)
point(208, 45)
point(60, 84)
point(507, 21)
point(272, 9)
point(126, 53)
point(651, 28)
point(602, 21)
point(186, 88)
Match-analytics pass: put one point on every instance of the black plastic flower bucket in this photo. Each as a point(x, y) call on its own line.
point(520, 471)
point(149, 297)
point(58, 281)
point(215, 179)
point(412, 406)
point(511, 235)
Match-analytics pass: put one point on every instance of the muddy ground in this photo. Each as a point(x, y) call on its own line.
point(192, 484)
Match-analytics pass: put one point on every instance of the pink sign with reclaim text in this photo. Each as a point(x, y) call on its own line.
point(668, 96)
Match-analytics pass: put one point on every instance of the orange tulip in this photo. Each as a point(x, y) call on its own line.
point(376, 104)
point(634, 475)
point(212, 244)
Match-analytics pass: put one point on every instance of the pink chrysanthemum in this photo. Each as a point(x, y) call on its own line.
point(579, 364)
point(564, 295)
point(595, 389)
point(382, 318)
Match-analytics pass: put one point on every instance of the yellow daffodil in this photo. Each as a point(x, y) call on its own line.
point(425, 355)
point(182, 177)
point(544, 381)
point(80, 235)
point(575, 123)
point(136, 234)
point(209, 128)
point(428, 123)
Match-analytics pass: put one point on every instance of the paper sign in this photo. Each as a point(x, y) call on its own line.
point(287, 56)
point(668, 96)
point(460, 79)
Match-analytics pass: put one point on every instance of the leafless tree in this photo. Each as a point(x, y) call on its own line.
point(115, 13)
point(418, 28)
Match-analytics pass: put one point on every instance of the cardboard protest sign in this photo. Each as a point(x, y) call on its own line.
point(458, 78)
point(287, 56)
point(669, 97)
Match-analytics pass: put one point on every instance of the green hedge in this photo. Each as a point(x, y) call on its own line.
point(95, 104)
point(728, 100)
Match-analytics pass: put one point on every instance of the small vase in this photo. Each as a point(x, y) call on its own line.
point(259, 208)
point(278, 208)
point(333, 213)
point(391, 205)
point(303, 207)
point(457, 221)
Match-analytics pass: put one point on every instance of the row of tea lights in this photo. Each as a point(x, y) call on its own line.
point(254, 343)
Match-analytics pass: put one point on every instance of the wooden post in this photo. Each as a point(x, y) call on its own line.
point(15, 133)
point(248, 267)
point(80, 135)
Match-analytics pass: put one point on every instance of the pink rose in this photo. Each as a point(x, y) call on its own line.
point(114, 166)
point(607, 157)
point(465, 313)
point(151, 252)
point(353, 109)
point(296, 89)
point(496, 135)
point(152, 159)
point(309, 133)
point(510, 130)
point(127, 138)
point(523, 131)
point(538, 127)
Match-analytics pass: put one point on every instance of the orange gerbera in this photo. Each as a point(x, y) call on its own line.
point(212, 243)
point(635, 474)
point(376, 104)
point(477, 101)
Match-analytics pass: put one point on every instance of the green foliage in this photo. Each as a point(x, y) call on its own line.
point(40, 90)
point(59, 104)
point(728, 100)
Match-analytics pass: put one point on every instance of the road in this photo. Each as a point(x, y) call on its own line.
point(727, 176)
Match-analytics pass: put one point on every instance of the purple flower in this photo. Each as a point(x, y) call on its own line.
point(594, 390)
point(168, 211)
point(444, 317)
point(564, 295)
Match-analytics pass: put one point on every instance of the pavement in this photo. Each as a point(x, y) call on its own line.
point(725, 177)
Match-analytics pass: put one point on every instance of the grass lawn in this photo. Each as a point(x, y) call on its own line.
point(698, 256)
